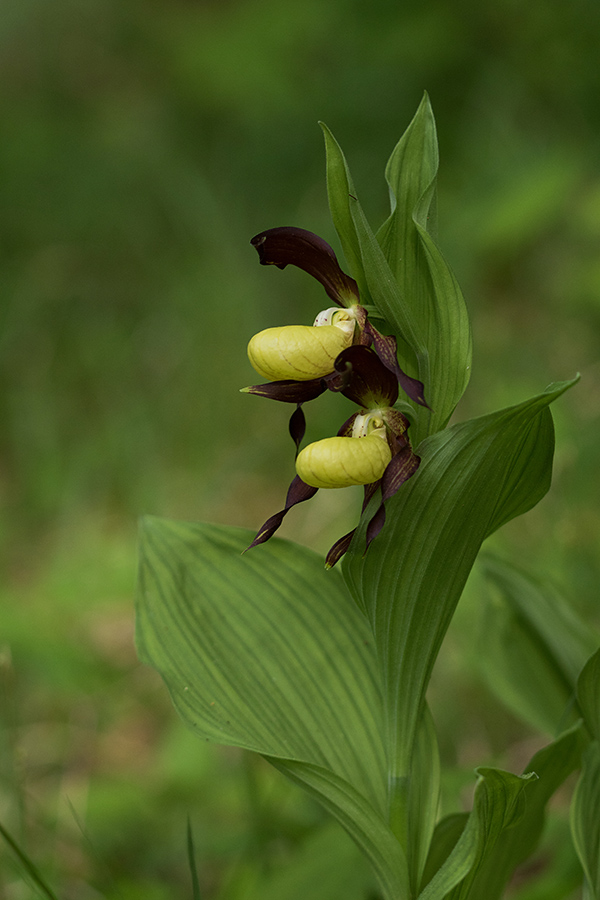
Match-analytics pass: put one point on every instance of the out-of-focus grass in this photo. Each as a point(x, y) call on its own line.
point(142, 146)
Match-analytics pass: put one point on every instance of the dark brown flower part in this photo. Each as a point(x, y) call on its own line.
point(342, 544)
point(289, 245)
point(401, 467)
point(365, 379)
point(298, 492)
point(297, 426)
point(346, 429)
point(387, 350)
point(289, 391)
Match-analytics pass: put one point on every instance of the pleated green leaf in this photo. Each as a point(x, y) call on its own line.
point(426, 283)
point(402, 272)
point(411, 578)
point(585, 821)
point(532, 643)
point(588, 694)
point(341, 193)
point(268, 652)
point(552, 765)
point(376, 281)
point(498, 804)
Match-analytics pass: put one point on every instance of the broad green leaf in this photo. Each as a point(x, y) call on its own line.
point(498, 804)
point(532, 644)
point(585, 821)
point(411, 578)
point(268, 652)
point(552, 765)
point(588, 694)
point(427, 285)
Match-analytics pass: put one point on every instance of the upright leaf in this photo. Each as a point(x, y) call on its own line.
point(267, 651)
point(411, 578)
point(498, 804)
point(376, 281)
point(426, 283)
point(551, 765)
point(585, 821)
point(532, 644)
point(588, 694)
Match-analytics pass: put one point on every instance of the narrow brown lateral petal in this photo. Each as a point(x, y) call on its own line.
point(289, 245)
point(397, 423)
point(375, 525)
point(387, 348)
point(339, 548)
point(297, 426)
point(288, 391)
point(366, 380)
point(298, 491)
point(346, 428)
point(400, 468)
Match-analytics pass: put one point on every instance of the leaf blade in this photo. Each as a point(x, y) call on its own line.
point(410, 579)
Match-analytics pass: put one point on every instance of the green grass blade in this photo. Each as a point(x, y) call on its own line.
point(30, 869)
point(191, 854)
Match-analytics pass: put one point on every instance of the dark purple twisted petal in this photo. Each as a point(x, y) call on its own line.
point(339, 548)
point(365, 379)
point(397, 423)
point(297, 426)
point(400, 468)
point(289, 245)
point(342, 544)
point(346, 428)
point(289, 391)
point(298, 491)
point(387, 350)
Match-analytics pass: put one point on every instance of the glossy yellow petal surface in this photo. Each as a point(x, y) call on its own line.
point(297, 352)
point(342, 461)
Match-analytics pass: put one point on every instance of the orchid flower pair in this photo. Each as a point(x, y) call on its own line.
point(341, 352)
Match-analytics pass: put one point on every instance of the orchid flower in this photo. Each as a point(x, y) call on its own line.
point(306, 352)
point(371, 448)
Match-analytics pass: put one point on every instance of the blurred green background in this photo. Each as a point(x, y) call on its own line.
point(143, 144)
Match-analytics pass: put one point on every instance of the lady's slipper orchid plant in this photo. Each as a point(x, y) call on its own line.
point(327, 675)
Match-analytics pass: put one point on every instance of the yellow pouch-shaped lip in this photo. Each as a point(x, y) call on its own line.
point(343, 461)
point(297, 352)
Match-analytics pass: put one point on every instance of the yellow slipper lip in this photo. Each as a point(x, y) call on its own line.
point(297, 352)
point(338, 462)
